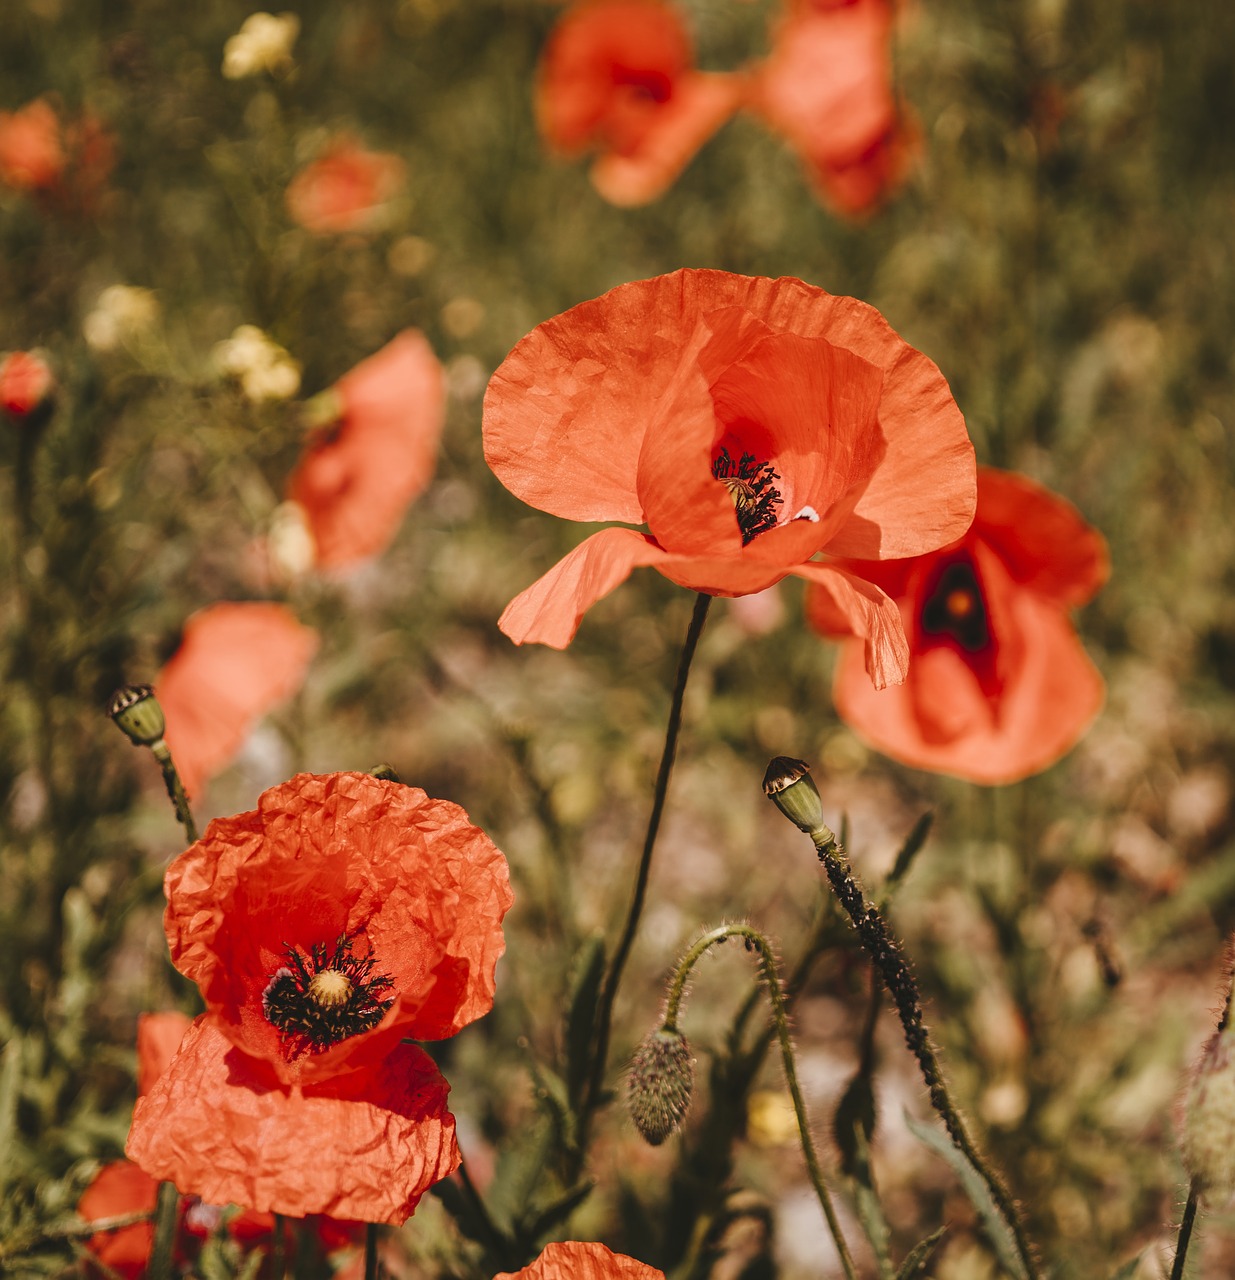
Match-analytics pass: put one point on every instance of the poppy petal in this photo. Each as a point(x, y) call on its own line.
point(550, 610)
point(1065, 559)
point(701, 102)
point(571, 1260)
point(851, 605)
point(158, 1037)
point(356, 481)
point(235, 663)
point(408, 879)
point(121, 1188)
point(366, 1145)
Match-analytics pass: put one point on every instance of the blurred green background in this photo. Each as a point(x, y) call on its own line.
point(1062, 250)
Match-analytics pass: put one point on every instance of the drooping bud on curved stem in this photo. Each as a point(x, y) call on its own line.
point(663, 1042)
point(659, 1084)
point(137, 714)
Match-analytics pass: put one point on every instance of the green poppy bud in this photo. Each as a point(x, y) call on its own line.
point(659, 1084)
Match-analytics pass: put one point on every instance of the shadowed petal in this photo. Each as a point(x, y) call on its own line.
point(859, 608)
point(571, 1260)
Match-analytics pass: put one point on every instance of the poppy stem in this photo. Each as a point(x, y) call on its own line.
point(755, 941)
point(1185, 1233)
point(370, 1251)
point(175, 789)
point(885, 952)
point(608, 993)
point(165, 1215)
point(278, 1260)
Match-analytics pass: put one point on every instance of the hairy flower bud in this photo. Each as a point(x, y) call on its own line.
point(1207, 1138)
point(137, 713)
point(789, 786)
point(659, 1084)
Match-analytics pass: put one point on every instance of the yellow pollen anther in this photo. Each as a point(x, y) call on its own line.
point(959, 604)
point(330, 988)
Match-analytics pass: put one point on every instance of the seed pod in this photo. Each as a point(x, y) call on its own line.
point(137, 713)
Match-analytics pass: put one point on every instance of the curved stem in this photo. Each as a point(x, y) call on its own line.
point(1185, 1233)
point(755, 941)
point(608, 993)
point(885, 952)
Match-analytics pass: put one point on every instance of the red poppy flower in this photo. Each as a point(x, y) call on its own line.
point(573, 1261)
point(355, 480)
point(235, 663)
point(751, 423)
point(618, 76)
point(345, 189)
point(826, 85)
point(999, 686)
point(25, 383)
point(342, 915)
point(158, 1038)
point(32, 154)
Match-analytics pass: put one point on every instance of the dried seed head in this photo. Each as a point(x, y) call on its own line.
point(789, 786)
point(659, 1084)
point(1207, 1138)
point(136, 711)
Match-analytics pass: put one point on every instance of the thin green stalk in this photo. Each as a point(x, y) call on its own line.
point(757, 942)
point(175, 789)
point(165, 1215)
point(885, 952)
point(370, 1251)
point(278, 1248)
point(1185, 1233)
point(608, 993)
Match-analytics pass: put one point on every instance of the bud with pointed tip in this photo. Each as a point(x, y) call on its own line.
point(137, 713)
point(789, 786)
point(659, 1084)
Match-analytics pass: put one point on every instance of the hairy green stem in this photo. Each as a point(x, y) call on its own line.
point(608, 992)
point(885, 952)
point(1185, 1233)
point(175, 789)
point(755, 941)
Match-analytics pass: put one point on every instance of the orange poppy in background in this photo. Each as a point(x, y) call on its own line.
point(235, 663)
point(342, 915)
point(32, 154)
point(752, 424)
point(618, 77)
point(345, 189)
point(359, 474)
point(26, 383)
point(827, 87)
point(574, 1261)
point(999, 685)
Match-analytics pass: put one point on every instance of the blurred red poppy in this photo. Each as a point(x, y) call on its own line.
point(752, 424)
point(235, 663)
point(999, 686)
point(32, 155)
point(574, 1261)
point(826, 85)
point(358, 476)
point(345, 189)
point(618, 77)
point(26, 383)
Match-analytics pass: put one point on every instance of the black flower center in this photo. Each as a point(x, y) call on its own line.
point(752, 486)
point(955, 608)
point(322, 997)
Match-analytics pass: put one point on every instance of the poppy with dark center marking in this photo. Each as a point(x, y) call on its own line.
point(999, 685)
point(753, 425)
point(343, 916)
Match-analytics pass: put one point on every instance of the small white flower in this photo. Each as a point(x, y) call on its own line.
point(121, 312)
point(263, 368)
point(263, 43)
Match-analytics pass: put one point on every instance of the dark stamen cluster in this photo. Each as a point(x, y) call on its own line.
point(312, 1012)
point(955, 608)
point(752, 486)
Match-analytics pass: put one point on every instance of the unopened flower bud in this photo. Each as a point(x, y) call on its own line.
point(136, 711)
point(789, 786)
point(1207, 1139)
point(659, 1084)
point(386, 772)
